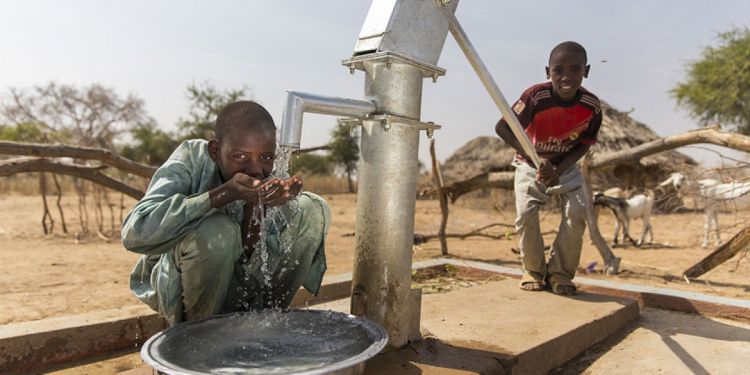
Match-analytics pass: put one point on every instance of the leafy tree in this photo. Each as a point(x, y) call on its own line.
point(717, 88)
point(151, 145)
point(205, 104)
point(23, 132)
point(310, 163)
point(345, 151)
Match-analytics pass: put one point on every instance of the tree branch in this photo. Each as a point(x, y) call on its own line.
point(422, 238)
point(710, 135)
point(504, 180)
point(89, 153)
point(10, 167)
point(311, 149)
point(437, 177)
point(740, 241)
point(487, 180)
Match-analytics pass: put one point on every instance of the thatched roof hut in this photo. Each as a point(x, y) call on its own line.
point(619, 131)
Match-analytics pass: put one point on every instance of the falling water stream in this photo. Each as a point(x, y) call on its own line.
point(271, 219)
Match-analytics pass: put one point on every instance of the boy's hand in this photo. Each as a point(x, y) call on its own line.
point(274, 192)
point(277, 192)
point(547, 173)
point(239, 187)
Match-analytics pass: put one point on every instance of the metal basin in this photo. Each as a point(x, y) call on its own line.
point(267, 342)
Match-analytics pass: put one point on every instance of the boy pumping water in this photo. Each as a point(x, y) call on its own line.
point(562, 120)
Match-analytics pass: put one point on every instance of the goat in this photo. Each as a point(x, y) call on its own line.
point(637, 206)
point(712, 193)
point(614, 192)
point(617, 192)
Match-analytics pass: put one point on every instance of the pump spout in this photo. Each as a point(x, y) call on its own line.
point(297, 103)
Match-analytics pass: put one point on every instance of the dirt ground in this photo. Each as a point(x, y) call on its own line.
point(43, 276)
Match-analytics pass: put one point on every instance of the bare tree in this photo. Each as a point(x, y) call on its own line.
point(48, 223)
point(91, 116)
point(59, 205)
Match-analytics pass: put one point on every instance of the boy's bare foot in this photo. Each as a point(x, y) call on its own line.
point(532, 286)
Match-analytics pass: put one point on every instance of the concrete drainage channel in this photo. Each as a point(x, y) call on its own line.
point(470, 309)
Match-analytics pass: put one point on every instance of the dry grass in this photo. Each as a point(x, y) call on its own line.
point(104, 208)
point(327, 184)
point(28, 184)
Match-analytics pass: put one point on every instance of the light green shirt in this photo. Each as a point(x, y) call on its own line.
point(174, 204)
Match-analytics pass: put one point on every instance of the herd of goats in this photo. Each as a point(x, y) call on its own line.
point(712, 194)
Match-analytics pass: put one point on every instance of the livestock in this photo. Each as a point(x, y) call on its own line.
point(638, 206)
point(713, 194)
point(617, 192)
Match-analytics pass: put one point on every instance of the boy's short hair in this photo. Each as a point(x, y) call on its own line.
point(570, 46)
point(244, 114)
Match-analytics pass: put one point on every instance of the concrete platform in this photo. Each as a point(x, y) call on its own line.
point(467, 336)
point(496, 328)
point(25, 346)
point(664, 342)
point(667, 342)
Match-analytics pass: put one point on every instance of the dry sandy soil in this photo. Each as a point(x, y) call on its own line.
point(53, 275)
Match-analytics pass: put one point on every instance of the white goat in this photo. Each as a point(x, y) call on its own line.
point(636, 207)
point(713, 194)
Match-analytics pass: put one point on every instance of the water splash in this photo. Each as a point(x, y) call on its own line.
point(275, 219)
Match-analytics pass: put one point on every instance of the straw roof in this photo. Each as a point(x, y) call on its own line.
point(619, 131)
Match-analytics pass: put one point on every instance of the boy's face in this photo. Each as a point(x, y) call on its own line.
point(566, 71)
point(247, 151)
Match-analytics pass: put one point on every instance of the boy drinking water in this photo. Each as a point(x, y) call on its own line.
point(199, 225)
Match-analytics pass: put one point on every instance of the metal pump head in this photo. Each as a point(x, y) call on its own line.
point(412, 28)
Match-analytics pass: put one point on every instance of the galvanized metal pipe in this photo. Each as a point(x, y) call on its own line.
point(497, 96)
point(386, 198)
point(297, 103)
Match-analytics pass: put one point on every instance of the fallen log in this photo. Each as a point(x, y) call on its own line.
point(422, 238)
point(487, 180)
point(13, 166)
point(740, 242)
point(77, 152)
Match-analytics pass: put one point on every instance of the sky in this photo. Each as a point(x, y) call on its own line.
point(637, 49)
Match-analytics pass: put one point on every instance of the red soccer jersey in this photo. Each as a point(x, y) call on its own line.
point(556, 127)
